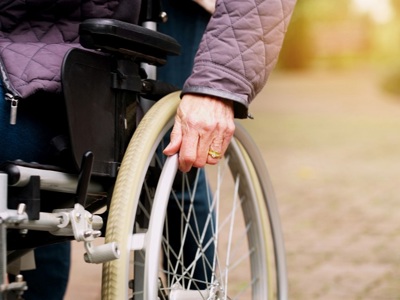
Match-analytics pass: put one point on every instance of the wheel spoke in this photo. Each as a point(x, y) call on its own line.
point(218, 239)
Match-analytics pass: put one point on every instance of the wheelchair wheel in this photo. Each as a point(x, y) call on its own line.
point(212, 233)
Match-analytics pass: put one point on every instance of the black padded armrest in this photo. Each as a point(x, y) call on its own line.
point(117, 36)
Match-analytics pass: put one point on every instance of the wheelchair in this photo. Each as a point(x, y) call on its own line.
point(117, 184)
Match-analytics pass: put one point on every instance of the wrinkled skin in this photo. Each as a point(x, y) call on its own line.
point(201, 123)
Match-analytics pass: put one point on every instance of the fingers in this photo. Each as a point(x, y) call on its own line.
point(175, 140)
point(188, 153)
point(218, 148)
point(202, 131)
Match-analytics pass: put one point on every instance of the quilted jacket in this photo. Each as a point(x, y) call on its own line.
point(236, 55)
point(36, 34)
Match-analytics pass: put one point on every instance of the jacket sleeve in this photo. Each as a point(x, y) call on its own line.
point(239, 50)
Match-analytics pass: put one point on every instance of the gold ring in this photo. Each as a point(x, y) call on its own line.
point(214, 154)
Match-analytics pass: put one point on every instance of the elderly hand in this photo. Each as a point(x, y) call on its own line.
point(204, 125)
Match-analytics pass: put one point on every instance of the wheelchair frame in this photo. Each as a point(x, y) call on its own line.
point(115, 175)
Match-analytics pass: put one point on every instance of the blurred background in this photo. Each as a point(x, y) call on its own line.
point(343, 34)
point(328, 124)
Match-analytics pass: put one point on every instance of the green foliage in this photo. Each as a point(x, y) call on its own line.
point(391, 83)
point(329, 34)
point(324, 11)
point(298, 49)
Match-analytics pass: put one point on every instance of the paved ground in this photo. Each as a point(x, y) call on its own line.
point(332, 145)
point(331, 142)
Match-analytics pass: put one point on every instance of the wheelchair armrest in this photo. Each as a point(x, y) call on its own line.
point(116, 36)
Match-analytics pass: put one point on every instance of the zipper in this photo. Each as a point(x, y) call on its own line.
point(14, 106)
point(11, 94)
